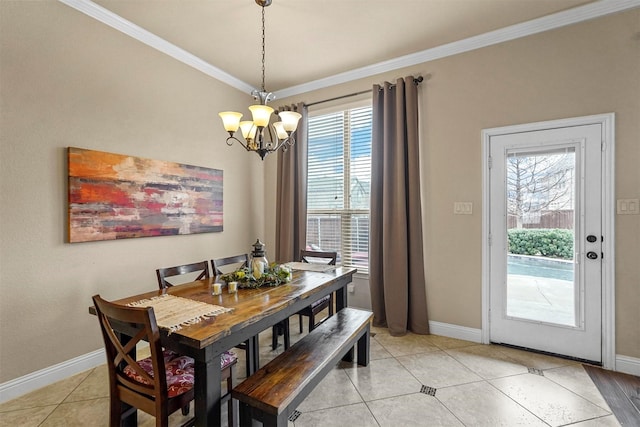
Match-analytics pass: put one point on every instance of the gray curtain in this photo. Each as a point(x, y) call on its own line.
point(396, 264)
point(291, 200)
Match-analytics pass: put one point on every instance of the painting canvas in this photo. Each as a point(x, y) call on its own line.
point(115, 196)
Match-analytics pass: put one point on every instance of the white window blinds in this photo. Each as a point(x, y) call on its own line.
point(338, 185)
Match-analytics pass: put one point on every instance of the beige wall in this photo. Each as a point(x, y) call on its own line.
point(588, 68)
point(68, 80)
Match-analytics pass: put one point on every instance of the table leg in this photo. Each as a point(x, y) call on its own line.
point(132, 419)
point(207, 390)
point(252, 349)
point(256, 353)
point(341, 298)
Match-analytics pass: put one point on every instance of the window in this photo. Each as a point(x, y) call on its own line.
point(338, 185)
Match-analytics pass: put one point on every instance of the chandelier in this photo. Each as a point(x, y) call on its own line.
point(257, 134)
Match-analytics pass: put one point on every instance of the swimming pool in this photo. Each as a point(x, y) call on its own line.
point(540, 267)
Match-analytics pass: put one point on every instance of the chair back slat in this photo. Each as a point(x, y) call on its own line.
point(168, 272)
point(241, 260)
point(326, 257)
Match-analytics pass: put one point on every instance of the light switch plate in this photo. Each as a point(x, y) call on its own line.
point(628, 207)
point(462, 208)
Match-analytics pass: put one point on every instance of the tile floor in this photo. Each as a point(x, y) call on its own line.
point(413, 380)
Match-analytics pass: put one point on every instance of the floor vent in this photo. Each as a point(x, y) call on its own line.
point(428, 390)
point(536, 371)
point(294, 416)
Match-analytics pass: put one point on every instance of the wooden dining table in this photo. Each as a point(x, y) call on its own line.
point(253, 311)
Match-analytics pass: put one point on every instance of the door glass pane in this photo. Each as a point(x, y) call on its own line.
point(540, 203)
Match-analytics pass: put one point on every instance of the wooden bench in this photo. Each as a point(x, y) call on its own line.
point(273, 393)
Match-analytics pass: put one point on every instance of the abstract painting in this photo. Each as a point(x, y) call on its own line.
point(115, 196)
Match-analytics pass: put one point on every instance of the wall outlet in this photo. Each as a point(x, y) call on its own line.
point(351, 288)
point(628, 207)
point(463, 208)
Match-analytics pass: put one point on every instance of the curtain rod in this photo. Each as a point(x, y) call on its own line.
point(339, 97)
point(416, 80)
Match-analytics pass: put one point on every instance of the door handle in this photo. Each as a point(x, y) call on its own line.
point(592, 255)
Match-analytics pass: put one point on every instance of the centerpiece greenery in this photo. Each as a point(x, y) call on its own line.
point(273, 275)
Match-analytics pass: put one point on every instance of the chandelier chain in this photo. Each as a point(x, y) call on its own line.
point(263, 49)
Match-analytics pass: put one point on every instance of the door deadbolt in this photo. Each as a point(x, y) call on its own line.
point(592, 255)
point(591, 238)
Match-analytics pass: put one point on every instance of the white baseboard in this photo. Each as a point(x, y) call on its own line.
point(455, 331)
point(44, 377)
point(628, 365)
point(624, 364)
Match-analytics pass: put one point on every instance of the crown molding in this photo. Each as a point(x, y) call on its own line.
point(539, 25)
point(129, 28)
point(535, 26)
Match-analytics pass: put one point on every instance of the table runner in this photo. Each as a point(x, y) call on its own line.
point(173, 313)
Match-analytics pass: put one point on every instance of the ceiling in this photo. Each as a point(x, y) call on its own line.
point(314, 40)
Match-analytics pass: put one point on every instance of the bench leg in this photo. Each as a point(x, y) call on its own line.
point(363, 348)
point(269, 420)
point(349, 356)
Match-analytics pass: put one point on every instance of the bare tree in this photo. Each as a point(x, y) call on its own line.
point(539, 183)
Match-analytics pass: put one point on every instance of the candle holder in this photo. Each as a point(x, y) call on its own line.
point(232, 287)
point(217, 289)
point(259, 261)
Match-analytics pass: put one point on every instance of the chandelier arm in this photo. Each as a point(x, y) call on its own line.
point(263, 146)
point(290, 140)
point(277, 146)
point(273, 144)
point(284, 143)
point(232, 138)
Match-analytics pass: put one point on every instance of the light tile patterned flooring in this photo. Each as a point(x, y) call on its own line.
point(414, 380)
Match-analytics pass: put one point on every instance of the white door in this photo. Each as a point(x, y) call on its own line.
point(545, 237)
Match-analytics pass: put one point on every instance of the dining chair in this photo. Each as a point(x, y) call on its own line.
point(199, 271)
point(311, 311)
point(159, 384)
point(238, 261)
point(197, 267)
point(280, 328)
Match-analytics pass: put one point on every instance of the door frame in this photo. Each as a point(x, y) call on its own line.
point(607, 121)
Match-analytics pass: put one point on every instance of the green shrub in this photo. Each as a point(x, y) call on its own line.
point(552, 243)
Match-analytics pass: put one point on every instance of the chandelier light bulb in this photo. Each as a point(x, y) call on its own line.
point(280, 132)
point(230, 120)
point(289, 120)
point(261, 114)
point(248, 130)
